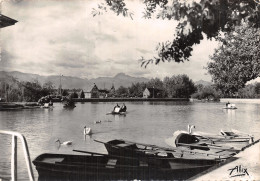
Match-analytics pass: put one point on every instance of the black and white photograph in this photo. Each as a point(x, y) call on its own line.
point(129, 90)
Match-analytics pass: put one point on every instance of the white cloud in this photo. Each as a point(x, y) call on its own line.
point(53, 37)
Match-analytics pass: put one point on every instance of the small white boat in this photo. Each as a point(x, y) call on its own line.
point(232, 138)
point(47, 106)
point(230, 106)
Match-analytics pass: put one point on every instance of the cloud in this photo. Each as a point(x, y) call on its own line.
point(143, 51)
point(62, 37)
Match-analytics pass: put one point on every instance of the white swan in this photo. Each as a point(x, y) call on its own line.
point(190, 127)
point(87, 131)
point(64, 143)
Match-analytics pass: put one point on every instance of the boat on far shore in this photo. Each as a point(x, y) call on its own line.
point(17, 106)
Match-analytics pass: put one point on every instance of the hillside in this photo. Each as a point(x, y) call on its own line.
point(69, 82)
point(203, 82)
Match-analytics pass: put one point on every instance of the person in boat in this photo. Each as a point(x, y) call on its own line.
point(116, 108)
point(123, 108)
point(227, 104)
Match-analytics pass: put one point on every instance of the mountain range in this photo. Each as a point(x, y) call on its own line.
point(69, 82)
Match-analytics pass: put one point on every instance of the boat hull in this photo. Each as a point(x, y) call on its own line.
point(82, 167)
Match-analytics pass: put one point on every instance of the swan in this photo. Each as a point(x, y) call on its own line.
point(64, 143)
point(190, 127)
point(87, 131)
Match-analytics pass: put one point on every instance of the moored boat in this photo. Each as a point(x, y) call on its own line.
point(211, 143)
point(10, 106)
point(94, 166)
point(132, 149)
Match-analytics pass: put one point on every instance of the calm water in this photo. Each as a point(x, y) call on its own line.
point(146, 122)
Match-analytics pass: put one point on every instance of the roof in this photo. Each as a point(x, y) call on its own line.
point(6, 21)
point(103, 91)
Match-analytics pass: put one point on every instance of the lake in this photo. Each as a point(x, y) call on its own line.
point(145, 122)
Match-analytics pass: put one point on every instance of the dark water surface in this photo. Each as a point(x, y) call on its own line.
point(145, 122)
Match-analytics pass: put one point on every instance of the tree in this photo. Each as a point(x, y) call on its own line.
point(155, 82)
point(122, 92)
point(207, 16)
point(257, 89)
point(248, 91)
point(48, 88)
point(137, 89)
point(206, 92)
point(32, 91)
point(65, 92)
point(180, 86)
point(74, 95)
point(236, 61)
point(81, 94)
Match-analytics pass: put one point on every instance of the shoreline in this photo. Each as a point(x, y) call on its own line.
point(128, 99)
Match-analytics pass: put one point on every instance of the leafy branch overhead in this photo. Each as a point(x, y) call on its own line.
point(117, 6)
point(207, 16)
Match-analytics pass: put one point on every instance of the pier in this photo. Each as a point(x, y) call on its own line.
point(243, 166)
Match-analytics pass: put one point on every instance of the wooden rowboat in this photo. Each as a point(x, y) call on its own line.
point(132, 149)
point(95, 166)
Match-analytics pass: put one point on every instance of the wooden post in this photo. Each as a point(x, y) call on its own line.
point(14, 158)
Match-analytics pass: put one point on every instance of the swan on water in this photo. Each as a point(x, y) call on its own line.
point(190, 127)
point(64, 143)
point(87, 131)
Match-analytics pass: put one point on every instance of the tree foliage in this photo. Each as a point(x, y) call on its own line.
point(137, 89)
point(206, 92)
point(194, 19)
point(237, 60)
point(81, 94)
point(250, 91)
point(180, 86)
point(122, 92)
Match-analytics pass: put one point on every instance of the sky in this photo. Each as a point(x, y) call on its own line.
point(63, 37)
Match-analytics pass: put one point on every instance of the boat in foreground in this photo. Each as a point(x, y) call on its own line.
point(94, 166)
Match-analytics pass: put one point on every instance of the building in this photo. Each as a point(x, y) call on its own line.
point(152, 93)
point(94, 92)
point(87, 94)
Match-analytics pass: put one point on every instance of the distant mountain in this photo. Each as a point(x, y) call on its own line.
point(120, 79)
point(203, 82)
point(68, 82)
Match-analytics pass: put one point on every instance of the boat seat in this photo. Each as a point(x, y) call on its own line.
point(125, 144)
point(111, 163)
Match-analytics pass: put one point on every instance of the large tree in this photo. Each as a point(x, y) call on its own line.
point(237, 60)
point(194, 18)
point(180, 86)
